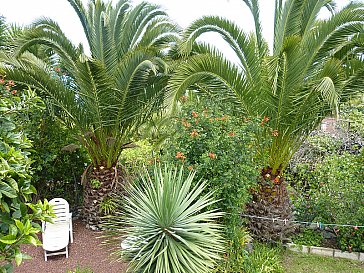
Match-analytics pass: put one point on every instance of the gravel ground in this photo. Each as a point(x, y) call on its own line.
point(85, 251)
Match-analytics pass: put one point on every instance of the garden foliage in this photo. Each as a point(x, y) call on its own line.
point(17, 216)
point(57, 161)
point(218, 147)
point(327, 176)
point(264, 259)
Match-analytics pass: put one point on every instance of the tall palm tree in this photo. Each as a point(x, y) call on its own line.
point(106, 95)
point(313, 66)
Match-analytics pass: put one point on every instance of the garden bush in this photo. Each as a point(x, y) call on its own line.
point(17, 216)
point(57, 162)
point(135, 159)
point(327, 177)
point(205, 138)
point(335, 195)
point(308, 237)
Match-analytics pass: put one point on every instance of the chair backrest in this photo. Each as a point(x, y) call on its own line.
point(60, 209)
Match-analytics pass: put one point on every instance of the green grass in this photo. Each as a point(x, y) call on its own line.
point(310, 263)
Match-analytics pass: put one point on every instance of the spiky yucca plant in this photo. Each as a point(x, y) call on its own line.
point(166, 226)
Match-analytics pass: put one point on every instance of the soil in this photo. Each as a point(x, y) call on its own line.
point(85, 252)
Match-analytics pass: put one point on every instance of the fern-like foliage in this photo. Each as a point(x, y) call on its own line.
point(108, 93)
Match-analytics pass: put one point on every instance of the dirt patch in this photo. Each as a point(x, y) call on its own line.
point(85, 251)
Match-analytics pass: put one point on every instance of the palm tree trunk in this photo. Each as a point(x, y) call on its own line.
point(100, 183)
point(271, 200)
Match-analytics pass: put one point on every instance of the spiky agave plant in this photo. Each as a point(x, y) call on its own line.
point(166, 226)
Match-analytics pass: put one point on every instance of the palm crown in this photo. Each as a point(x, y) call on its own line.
point(108, 94)
point(313, 66)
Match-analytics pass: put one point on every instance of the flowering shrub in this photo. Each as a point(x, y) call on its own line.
point(218, 147)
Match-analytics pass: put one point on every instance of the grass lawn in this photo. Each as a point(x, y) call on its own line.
point(310, 263)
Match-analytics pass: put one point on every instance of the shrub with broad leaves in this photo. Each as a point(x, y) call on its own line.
point(17, 216)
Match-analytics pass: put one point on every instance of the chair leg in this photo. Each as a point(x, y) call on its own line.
point(71, 232)
point(66, 251)
point(45, 255)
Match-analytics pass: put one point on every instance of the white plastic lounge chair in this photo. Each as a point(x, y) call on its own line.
point(56, 236)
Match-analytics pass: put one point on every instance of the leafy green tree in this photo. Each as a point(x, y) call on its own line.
point(17, 214)
point(107, 95)
point(314, 66)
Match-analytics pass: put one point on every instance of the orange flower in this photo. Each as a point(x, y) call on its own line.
point(190, 168)
point(355, 227)
point(223, 118)
point(232, 134)
point(194, 133)
point(194, 114)
point(13, 92)
point(2, 81)
point(265, 120)
point(276, 180)
point(275, 133)
point(57, 69)
point(11, 83)
point(180, 155)
point(212, 155)
point(185, 123)
point(211, 120)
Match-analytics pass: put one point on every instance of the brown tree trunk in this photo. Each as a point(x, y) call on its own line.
point(271, 200)
point(100, 183)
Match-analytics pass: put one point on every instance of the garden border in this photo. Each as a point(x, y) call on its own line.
point(325, 251)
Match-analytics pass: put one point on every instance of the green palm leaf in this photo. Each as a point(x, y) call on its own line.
point(302, 81)
point(110, 93)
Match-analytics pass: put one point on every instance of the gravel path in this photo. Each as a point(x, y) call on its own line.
point(85, 251)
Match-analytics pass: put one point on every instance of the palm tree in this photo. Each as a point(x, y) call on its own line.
point(3, 32)
point(313, 66)
point(107, 95)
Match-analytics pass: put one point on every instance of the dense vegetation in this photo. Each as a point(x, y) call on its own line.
point(165, 143)
point(18, 215)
